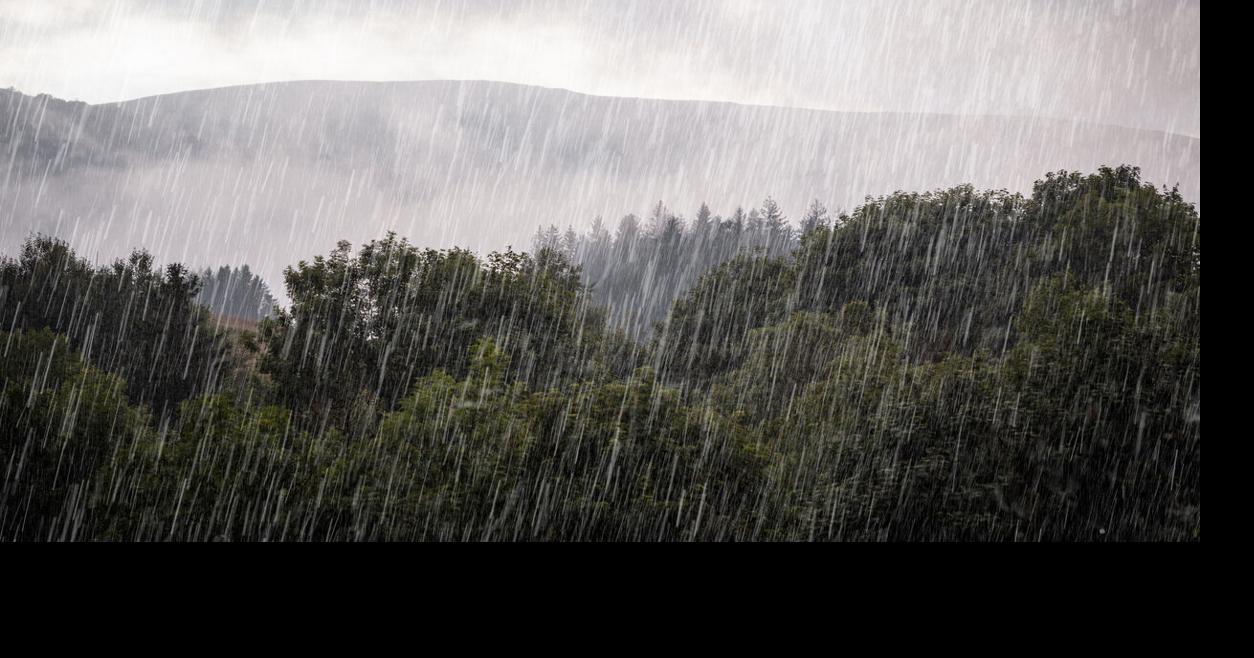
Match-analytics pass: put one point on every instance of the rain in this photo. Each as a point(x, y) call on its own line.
point(576, 271)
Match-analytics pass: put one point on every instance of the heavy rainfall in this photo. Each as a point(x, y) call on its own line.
point(562, 270)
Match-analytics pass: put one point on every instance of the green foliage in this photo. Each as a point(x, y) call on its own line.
point(128, 318)
point(955, 365)
point(379, 320)
point(64, 423)
point(707, 329)
point(1108, 406)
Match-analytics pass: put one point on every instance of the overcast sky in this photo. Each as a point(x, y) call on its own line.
point(1128, 63)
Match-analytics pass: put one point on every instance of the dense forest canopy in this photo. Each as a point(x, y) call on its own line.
point(957, 364)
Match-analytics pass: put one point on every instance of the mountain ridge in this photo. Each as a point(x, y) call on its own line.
point(484, 81)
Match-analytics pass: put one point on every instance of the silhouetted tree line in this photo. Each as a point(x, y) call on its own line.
point(950, 365)
point(236, 293)
point(639, 270)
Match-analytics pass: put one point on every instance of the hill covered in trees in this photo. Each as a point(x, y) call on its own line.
point(953, 365)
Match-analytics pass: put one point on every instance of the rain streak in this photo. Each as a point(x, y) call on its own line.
point(478, 270)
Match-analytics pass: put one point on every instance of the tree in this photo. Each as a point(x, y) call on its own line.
point(951, 365)
point(816, 217)
point(778, 233)
point(236, 293)
point(371, 323)
point(130, 318)
point(547, 237)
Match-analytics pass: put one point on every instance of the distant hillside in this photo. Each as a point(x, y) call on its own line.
point(270, 174)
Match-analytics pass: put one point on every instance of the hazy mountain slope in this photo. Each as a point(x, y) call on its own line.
point(270, 174)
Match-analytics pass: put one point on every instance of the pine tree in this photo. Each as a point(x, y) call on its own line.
point(778, 233)
point(816, 217)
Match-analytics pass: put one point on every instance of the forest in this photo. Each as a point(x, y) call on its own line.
point(952, 365)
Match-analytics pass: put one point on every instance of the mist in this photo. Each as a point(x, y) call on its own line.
point(577, 271)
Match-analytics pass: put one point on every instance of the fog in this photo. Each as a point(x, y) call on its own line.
point(600, 270)
point(1124, 63)
point(272, 174)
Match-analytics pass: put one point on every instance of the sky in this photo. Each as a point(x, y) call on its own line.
point(1122, 62)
